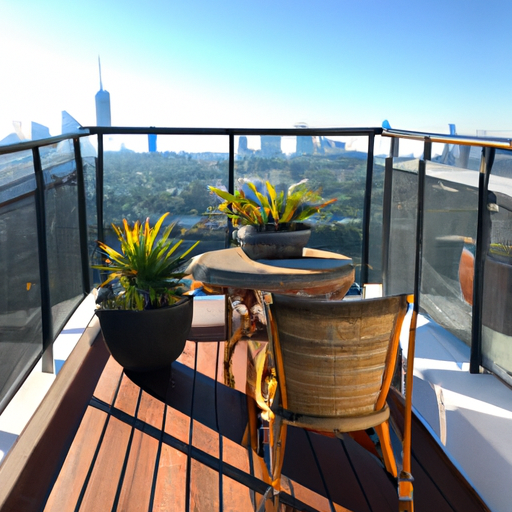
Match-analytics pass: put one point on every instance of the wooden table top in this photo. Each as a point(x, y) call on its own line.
point(316, 273)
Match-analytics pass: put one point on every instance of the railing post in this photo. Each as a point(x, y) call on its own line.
point(365, 256)
point(99, 188)
point(386, 220)
point(486, 162)
point(420, 215)
point(44, 277)
point(82, 217)
point(231, 182)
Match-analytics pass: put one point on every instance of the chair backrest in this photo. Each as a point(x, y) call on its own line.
point(337, 356)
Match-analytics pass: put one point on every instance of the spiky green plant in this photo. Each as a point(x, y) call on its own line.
point(269, 207)
point(146, 268)
point(503, 249)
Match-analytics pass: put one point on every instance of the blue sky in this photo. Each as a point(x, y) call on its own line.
point(248, 63)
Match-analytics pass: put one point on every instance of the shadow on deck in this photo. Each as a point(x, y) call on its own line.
point(178, 440)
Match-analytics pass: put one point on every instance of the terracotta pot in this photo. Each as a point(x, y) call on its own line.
point(150, 339)
point(287, 242)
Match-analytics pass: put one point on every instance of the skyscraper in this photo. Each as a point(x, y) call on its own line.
point(102, 104)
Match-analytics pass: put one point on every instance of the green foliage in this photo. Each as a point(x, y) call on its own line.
point(502, 250)
point(147, 269)
point(270, 207)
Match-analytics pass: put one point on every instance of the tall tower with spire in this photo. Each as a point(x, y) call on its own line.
point(102, 104)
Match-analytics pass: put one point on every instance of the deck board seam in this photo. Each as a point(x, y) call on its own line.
point(98, 447)
point(354, 472)
point(119, 489)
point(157, 462)
point(250, 481)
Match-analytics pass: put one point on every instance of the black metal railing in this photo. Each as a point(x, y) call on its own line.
point(396, 195)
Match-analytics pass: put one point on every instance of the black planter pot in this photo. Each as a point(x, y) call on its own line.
point(150, 339)
point(287, 242)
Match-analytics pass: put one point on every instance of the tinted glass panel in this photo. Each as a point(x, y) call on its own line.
point(63, 242)
point(497, 301)
point(89, 161)
point(20, 292)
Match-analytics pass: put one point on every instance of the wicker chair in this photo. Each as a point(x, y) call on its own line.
point(334, 362)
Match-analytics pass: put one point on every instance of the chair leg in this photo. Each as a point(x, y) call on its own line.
point(386, 447)
point(405, 492)
point(277, 428)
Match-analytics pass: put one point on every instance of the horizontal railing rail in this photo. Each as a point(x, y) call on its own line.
point(462, 140)
point(232, 131)
point(38, 143)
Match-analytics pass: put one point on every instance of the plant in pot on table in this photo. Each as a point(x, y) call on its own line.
point(269, 224)
point(144, 318)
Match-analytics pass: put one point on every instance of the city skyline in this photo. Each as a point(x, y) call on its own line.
point(268, 64)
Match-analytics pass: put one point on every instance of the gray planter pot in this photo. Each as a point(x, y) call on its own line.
point(271, 244)
point(150, 339)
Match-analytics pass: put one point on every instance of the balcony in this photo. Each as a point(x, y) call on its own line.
point(413, 210)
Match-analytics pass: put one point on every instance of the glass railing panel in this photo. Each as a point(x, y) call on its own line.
point(497, 299)
point(21, 340)
point(402, 236)
point(62, 231)
point(403, 215)
point(139, 183)
point(336, 165)
point(381, 152)
point(89, 163)
point(449, 232)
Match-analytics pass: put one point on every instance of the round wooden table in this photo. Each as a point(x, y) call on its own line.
point(232, 273)
point(316, 273)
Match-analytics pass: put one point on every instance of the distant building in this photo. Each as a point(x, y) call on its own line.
point(271, 146)
point(242, 145)
point(102, 104)
point(69, 123)
point(15, 137)
point(39, 131)
point(152, 142)
point(331, 146)
point(305, 145)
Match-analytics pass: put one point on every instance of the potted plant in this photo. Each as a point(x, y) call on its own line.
point(269, 223)
point(145, 319)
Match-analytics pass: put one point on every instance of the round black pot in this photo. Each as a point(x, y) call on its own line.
point(287, 242)
point(150, 339)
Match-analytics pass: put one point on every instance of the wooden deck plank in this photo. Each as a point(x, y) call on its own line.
point(128, 396)
point(108, 383)
point(204, 488)
point(236, 455)
point(151, 411)
point(117, 471)
point(205, 439)
point(30, 468)
point(102, 487)
point(138, 478)
point(237, 497)
point(69, 484)
point(435, 476)
point(177, 424)
point(171, 477)
point(300, 466)
point(375, 483)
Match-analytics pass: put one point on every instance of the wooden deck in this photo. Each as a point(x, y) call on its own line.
point(178, 440)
